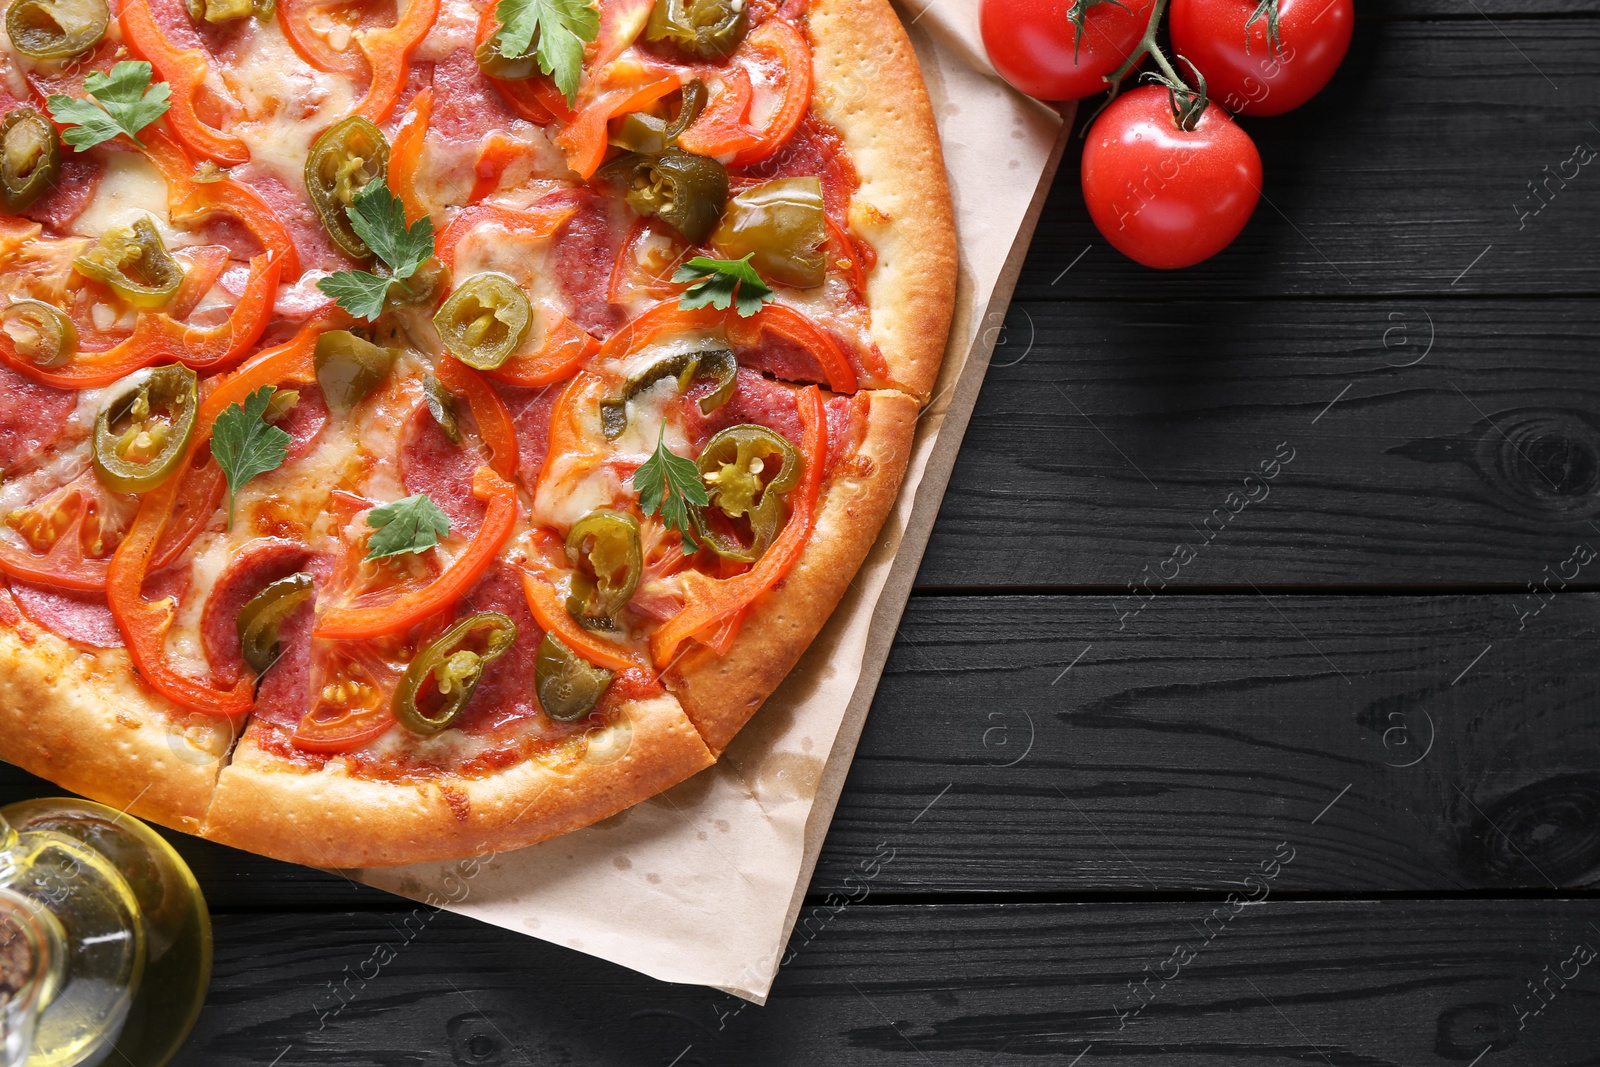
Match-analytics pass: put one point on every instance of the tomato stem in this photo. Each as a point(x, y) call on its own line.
point(1185, 115)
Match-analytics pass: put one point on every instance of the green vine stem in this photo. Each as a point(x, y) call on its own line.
point(1186, 114)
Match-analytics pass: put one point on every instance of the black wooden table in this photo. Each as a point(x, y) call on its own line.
point(1245, 710)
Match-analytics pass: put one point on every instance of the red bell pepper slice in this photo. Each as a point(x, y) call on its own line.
point(405, 156)
point(584, 139)
point(551, 615)
point(453, 582)
point(536, 99)
point(185, 71)
point(495, 427)
point(494, 157)
point(723, 129)
point(144, 624)
point(388, 52)
point(189, 201)
point(567, 347)
point(709, 602)
point(159, 338)
point(540, 221)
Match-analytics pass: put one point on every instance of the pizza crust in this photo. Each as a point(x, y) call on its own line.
point(869, 88)
point(84, 720)
point(325, 817)
point(721, 693)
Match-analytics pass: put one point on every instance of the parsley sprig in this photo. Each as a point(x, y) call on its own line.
point(414, 524)
point(123, 102)
point(670, 483)
point(379, 218)
point(556, 31)
point(245, 444)
point(720, 282)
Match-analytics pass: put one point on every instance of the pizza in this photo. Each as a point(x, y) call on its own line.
point(431, 427)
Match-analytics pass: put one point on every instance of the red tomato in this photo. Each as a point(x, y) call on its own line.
point(1035, 47)
point(1164, 196)
point(1242, 71)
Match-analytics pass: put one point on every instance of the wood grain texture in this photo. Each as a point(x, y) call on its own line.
point(1067, 755)
point(1274, 983)
point(1393, 180)
point(1433, 442)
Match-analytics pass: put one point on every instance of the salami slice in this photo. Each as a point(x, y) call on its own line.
point(467, 107)
point(584, 257)
point(430, 463)
point(783, 359)
point(771, 404)
point(285, 692)
point(305, 420)
point(82, 618)
point(258, 564)
point(506, 692)
point(32, 417)
point(530, 417)
point(71, 193)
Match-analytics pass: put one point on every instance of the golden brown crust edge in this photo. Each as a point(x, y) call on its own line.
point(721, 693)
point(82, 719)
point(327, 818)
point(870, 89)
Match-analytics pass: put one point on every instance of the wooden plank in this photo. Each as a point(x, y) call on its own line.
point(1380, 984)
point(1068, 755)
point(1432, 442)
point(1396, 179)
point(1205, 730)
point(1479, 9)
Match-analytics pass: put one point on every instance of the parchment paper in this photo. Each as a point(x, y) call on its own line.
point(703, 884)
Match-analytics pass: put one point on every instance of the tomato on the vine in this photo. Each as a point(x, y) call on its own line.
point(1163, 195)
point(1037, 46)
point(1246, 71)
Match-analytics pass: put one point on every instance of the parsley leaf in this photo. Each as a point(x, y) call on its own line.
point(719, 282)
point(379, 219)
point(245, 444)
point(562, 27)
point(670, 484)
point(357, 291)
point(414, 524)
point(124, 102)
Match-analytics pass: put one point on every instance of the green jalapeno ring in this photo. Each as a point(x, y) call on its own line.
point(349, 368)
point(264, 613)
point(568, 686)
point(484, 320)
point(343, 160)
point(731, 466)
point(653, 134)
point(142, 429)
point(705, 28)
point(30, 157)
point(40, 332)
point(784, 225)
point(219, 10)
point(456, 662)
point(688, 192)
point(133, 260)
point(496, 64)
point(57, 29)
point(605, 543)
point(716, 363)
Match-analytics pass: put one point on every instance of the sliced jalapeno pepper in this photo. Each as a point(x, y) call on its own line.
point(484, 320)
point(219, 10)
point(349, 368)
point(260, 619)
point(705, 28)
point(57, 29)
point(442, 406)
point(685, 191)
point(604, 544)
point(30, 157)
point(718, 363)
point(643, 132)
point(782, 223)
point(736, 467)
point(343, 160)
point(454, 665)
point(568, 686)
point(135, 263)
point(40, 332)
point(497, 64)
point(143, 427)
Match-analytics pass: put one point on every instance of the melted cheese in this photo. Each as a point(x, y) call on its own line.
point(284, 104)
point(130, 188)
